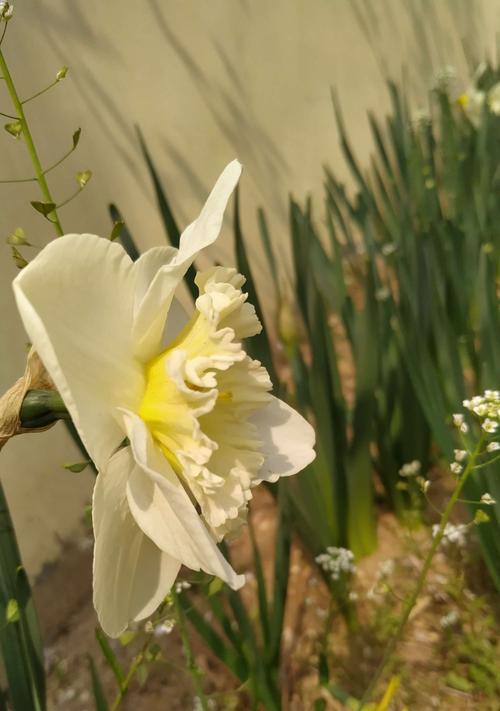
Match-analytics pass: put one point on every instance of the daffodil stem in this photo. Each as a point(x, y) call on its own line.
point(30, 145)
point(388, 659)
point(188, 652)
point(42, 407)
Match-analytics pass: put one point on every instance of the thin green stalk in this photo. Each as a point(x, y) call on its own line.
point(188, 652)
point(137, 661)
point(388, 658)
point(28, 139)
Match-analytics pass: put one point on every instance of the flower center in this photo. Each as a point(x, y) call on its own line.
point(199, 398)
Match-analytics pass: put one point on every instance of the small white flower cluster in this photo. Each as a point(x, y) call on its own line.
point(452, 534)
point(420, 118)
point(485, 406)
point(449, 620)
point(444, 77)
point(337, 562)
point(410, 468)
point(6, 10)
point(164, 628)
point(161, 629)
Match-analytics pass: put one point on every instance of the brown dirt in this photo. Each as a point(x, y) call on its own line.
point(63, 596)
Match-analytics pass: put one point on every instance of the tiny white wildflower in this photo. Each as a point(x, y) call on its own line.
point(481, 410)
point(337, 562)
point(164, 628)
point(420, 118)
point(489, 426)
point(493, 447)
point(425, 485)
point(449, 620)
point(410, 468)
point(456, 468)
point(458, 418)
point(487, 499)
point(460, 455)
point(445, 76)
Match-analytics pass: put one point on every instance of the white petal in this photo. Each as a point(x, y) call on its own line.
point(147, 267)
point(131, 574)
point(164, 511)
point(76, 302)
point(288, 440)
point(205, 229)
point(152, 310)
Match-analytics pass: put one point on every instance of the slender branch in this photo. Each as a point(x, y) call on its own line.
point(4, 31)
point(124, 685)
point(39, 93)
point(487, 464)
point(188, 652)
point(71, 197)
point(19, 180)
point(9, 116)
point(28, 139)
point(54, 165)
point(388, 658)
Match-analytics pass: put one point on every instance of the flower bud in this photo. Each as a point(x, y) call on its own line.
point(61, 74)
point(287, 324)
point(6, 10)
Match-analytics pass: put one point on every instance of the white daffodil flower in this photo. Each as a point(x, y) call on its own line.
point(201, 424)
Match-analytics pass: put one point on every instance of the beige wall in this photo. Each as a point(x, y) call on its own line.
point(207, 80)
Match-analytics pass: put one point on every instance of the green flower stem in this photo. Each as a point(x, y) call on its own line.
point(389, 656)
point(28, 139)
point(124, 685)
point(42, 407)
point(188, 652)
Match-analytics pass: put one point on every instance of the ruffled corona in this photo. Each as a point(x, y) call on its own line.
point(200, 395)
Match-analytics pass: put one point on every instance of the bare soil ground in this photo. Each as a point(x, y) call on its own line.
point(63, 596)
